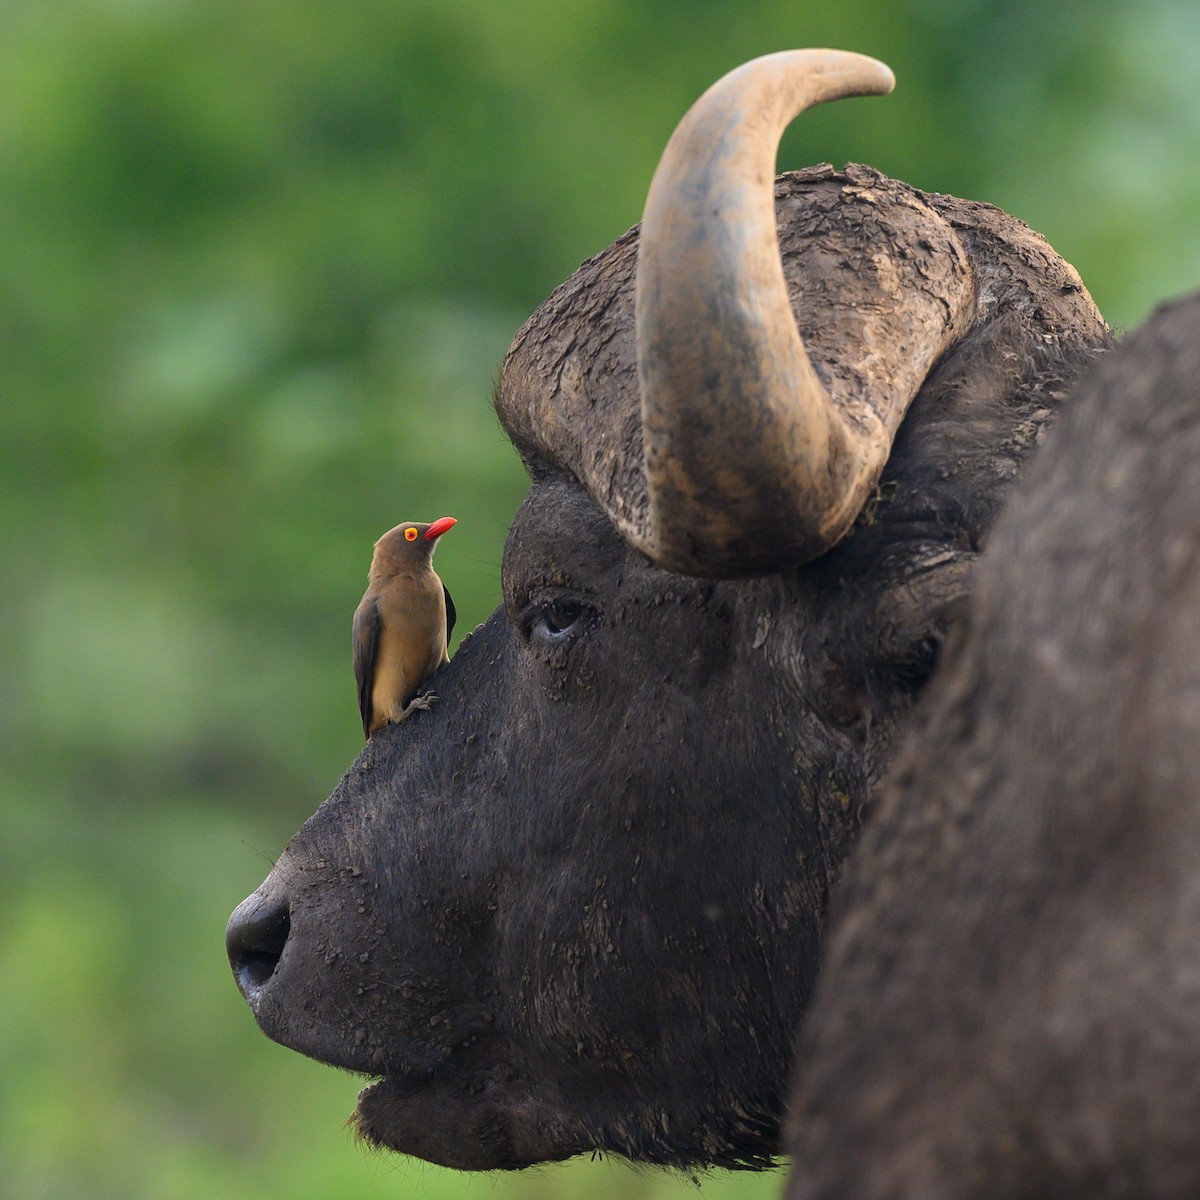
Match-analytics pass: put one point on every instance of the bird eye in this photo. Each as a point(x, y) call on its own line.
point(410, 534)
point(556, 621)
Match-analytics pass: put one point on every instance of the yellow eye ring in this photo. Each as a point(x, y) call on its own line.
point(410, 534)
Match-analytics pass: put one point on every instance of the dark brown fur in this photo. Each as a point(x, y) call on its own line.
point(1010, 1005)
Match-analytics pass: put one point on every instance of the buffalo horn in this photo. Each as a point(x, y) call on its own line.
point(749, 462)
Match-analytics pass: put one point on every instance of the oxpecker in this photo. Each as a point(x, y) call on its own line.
point(402, 625)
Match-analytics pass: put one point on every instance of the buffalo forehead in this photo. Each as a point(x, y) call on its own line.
point(568, 395)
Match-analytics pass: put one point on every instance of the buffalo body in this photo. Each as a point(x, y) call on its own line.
point(1011, 1000)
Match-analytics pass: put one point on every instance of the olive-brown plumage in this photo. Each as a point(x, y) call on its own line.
point(402, 626)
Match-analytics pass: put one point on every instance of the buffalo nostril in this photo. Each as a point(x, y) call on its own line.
point(254, 940)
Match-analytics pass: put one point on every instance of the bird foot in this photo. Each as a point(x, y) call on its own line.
point(423, 700)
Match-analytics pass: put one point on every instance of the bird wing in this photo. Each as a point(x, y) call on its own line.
point(451, 616)
point(366, 648)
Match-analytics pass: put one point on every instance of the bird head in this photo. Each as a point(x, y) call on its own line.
point(410, 544)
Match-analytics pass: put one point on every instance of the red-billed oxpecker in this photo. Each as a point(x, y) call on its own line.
point(402, 625)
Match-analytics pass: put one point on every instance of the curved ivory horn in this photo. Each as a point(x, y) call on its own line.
point(749, 462)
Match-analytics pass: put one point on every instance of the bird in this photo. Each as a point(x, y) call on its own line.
point(402, 625)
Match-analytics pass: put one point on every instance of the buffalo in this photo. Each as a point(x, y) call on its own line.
point(579, 904)
point(1010, 1004)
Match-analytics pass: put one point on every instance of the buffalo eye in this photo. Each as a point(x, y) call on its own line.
point(555, 621)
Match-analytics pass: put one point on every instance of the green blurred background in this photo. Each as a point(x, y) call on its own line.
point(260, 261)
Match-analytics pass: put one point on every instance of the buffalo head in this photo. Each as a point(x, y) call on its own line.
point(578, 904)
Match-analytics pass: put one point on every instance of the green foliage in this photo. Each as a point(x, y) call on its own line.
point(261, 262)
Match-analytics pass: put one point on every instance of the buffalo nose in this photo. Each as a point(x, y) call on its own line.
point(254, 940)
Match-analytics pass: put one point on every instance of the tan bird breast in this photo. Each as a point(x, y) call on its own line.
point(412, 645)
